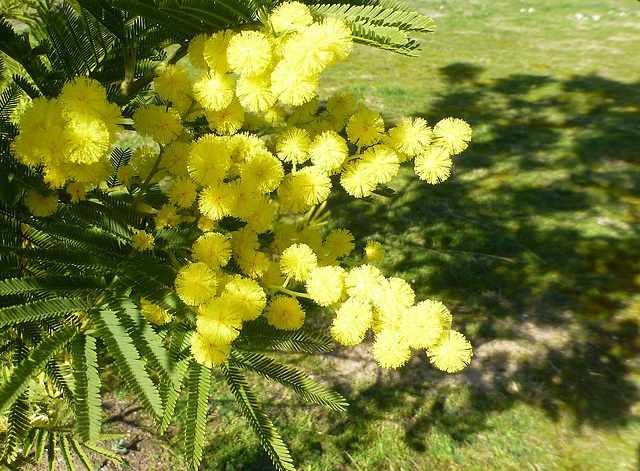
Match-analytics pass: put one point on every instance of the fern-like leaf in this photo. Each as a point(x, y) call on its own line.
point(260, 335)
point(87, 403)
point(82, 456)
point(127, 359)
point(260, 423)
point(19, 425)
point(178, 352)
point(51, 450)
point(40, 444)
point(39, 310)
point(376, 15)
point(290, 377)
point(197, 406)
point(66, 453)
point(33, 364)
point(50, 283)
point(379, 24)
point(145, 339)
point(9, 98)
point(103, 451)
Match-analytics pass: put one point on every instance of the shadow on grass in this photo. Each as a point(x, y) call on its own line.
point(535, 237)
point(534, 242)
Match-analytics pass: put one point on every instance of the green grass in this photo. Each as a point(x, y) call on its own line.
point(534, 243)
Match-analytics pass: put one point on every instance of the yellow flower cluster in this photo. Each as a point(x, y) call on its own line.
point(268, 159)
point(70, 136)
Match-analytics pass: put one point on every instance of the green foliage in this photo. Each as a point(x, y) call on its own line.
point(72, 283)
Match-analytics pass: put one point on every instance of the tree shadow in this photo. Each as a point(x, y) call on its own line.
point(533, 244)
point(533, 241)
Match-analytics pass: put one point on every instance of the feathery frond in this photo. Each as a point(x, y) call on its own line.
point(258, 420)
point(38, 356)
point(197, 405)
point(19, 425)
point(289, 377)
point(87, 397)
point(258, 334)
point(127, 359)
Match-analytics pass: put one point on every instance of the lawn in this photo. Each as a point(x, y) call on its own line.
point(533, 243)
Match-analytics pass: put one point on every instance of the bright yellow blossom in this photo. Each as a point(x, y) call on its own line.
point(285, 312)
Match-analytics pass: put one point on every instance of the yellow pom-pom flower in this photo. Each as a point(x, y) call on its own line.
point(228, 120)
point(196, 49)
point(263, 172)
point(86, 141)
point(40, 205)
point(285, 312)
point(339, 243)
point(363, 282)
point(175, 156)
point(326, 284)
point(154, 313)
point(243, 197)
point(274, 116)
point(245, 296)
point(196, 283)
point(208, 353)
point(142, 240)
point(373, 252)
point(298, 261)
point(328, 151)
point(422, 325)
point(244, 240)
point(390, 349)
point(249, 53)
point(161, 123)
point(215, 51)
point(365, 127)
point(252, 263)
point(216, 201)
point(381, 163)
point(260, 216)
point(90, 174)
point(218, 321)
point(314, 183)
point(292, 196)
point(212, 248)
point(272, 275)
point(288, 17)
point(55, 176)
point(410, 136)
point(339, 37)
point(433, 165)
point(451, 352)
point(353, 319)
point(291, 86)
point(41, 117)
point(209, 160)
point(341, 103)
point(307, 51)
point(356, 179)
point(452, 134)
point(77, 191)
point(213, 90)
point(85, 97)
point(440, 309)
point(255, 93)
point(183, 192)
point(293, 145)
point(391, 301)
point(173, 83)
point(167, 216)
